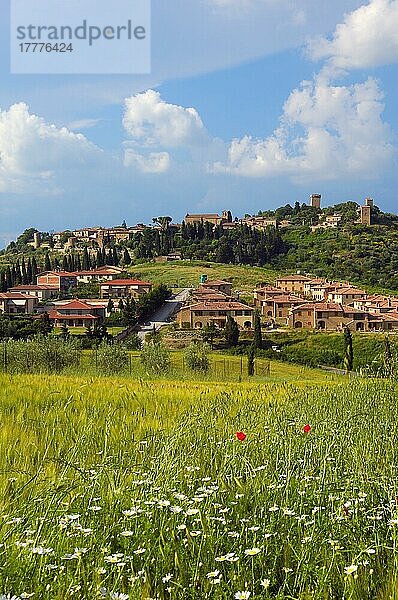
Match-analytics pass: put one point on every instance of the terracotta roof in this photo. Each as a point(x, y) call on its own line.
point(15, 296)
point(203, 216)
point(267, 288)
point(54, 314)
point(118, 282)
point(218, 306)
point(31, 287)
point(351, 290)
point(294, 278)
point(327, 306)
point(216, 282)
point(74, 305)
point(59, 273)
point(288, 298)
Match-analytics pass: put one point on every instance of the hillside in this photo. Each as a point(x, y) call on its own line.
point(366, 255)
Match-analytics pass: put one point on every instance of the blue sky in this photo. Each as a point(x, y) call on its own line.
point(250, 104)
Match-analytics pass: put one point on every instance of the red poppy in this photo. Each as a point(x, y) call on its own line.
point(307, 428)
point(241, 436)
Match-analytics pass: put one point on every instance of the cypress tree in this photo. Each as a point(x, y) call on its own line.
point(86, 260)
point(387, 356)
point(231, 332)
point(65, 265)
point(126, 257)
point(9, 281)
point(78, 263)
point(348, 350)
point(115, 257)
point(29, 273)
point(258, 338)
point(35, 270)
point(250, 361)
point(18, 274)
point(111, 306)
point(3, 282)
point(47, 263)
point(24, 275)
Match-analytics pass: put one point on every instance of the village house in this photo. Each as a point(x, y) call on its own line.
point(14, 303)
point(377, 303)
point(203, 294)
point(59, 280)
point(292, 283)
point(278, 307)
point(213, 218)
point(105, 273)
point(327, 316)
point(345, 295)
point(197, 316)
point(219, 285)
point(320, 293)
point(76, 313)
point(260, 223)
point(41, 292)
point(124, 288)
point(311, 284)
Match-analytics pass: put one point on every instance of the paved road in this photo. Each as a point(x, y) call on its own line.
point(161, 316)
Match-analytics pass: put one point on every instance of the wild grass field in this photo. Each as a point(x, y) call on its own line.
point(140, 488)
point(187, 273)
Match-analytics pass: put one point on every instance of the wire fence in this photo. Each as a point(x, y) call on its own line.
point(48, 356)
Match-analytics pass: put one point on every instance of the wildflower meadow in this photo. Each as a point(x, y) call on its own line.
point(197, 489)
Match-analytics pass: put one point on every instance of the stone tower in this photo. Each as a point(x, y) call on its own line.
point(36, 240)
point(369, 202)
point(365, 215)
point(315, 200)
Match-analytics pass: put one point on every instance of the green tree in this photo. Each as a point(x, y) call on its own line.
point(111, 306)
point(156, 358)
point(86, 260)
point(47, 263)
point(64, 333)
point(250, 361)
point(388, 360)
point(348, 350)
point(126, 257)
point(231, 332)
point(129, 312)
point(209, 332)
point(44, 325)
point(197, 357)
point(258, 338)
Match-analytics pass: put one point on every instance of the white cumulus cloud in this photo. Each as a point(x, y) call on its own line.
point(150, 121)
point(154, 162)
point(368, 37)
point(33, 152)
point(326, 132)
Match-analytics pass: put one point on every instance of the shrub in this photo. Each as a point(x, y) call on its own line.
point(133, 342)
point(42, 354)
point(197, 357)
point(109, 359)
point(156, 358)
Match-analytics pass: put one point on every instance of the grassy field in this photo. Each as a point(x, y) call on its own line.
point(187, 273)
point(137, 488)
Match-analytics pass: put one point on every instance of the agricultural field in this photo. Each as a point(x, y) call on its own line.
point(280, 487)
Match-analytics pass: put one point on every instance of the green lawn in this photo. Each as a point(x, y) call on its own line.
point(82, 330)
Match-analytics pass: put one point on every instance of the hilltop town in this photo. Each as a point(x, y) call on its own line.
point(84, 278)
